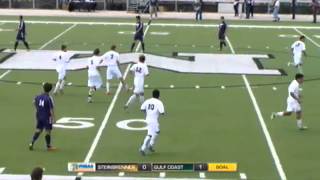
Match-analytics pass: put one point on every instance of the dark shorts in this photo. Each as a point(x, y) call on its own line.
point(138, 37)
point(222, 37)
point(21, 36)
point(44, 124)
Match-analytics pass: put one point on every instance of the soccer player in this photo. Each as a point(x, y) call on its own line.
point(140, 70)
point(21, 36)
point(222, 33)
point(44, 115)
point(293, 102)
point(62, 60)
point(138, 36)
point(152, 108)
point(94, 79)
point(298, 48)
point(111, 59)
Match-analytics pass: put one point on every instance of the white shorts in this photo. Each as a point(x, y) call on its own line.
point(94, 81)
point(153, 128)
point(138, 86)
point(297, 59)
point(61, 73)
point(293, 106)
point(113, 72)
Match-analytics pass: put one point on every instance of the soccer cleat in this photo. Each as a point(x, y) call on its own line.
point(273, 116)
point(89, 100)
point(150, 148)
point(142, 152)
point(31, 147)
point(51, 148)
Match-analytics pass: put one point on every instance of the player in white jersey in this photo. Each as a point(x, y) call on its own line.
point(111, 58)
point(140, 70)
point(94, 79)
point(152, 108)
point(62, 60)
point(298, 48)
point(293, 102)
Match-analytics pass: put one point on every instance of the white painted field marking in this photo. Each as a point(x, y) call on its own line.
point(160, 33)
point(165, 24)
point(43, 46)
point(124, 124)
point(110, 108)
point(263, 125)
point(162, 174)
point(4, 74)
point(316, 36)
point(2, 169)
point(243, 176)
point(6, 30)
point(315, 43)
point(126, 32)
point(288, 35)
point(58, 36)
point(202, 175)
point(74, 123)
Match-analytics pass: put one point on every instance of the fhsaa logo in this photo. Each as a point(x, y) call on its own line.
point(81, 167)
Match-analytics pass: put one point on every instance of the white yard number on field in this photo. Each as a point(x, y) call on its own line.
point(125, 125)
point(74, 123)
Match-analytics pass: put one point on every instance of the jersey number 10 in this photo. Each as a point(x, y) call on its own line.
point(151, 106)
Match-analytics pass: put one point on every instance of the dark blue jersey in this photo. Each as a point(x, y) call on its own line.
point(139, 28)
point(44, 105)
point(22, 27)
point(222, 28)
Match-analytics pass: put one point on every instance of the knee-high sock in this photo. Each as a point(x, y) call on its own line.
point(16, 45)
point(26, 44)
point(221, 43)
point(146, 142)
point(279, 114)
point(300, 70)
point(131, 99)
point(61, 85)
point(153, 140)
point(299, 123)
point(108, 86)
point(57, 87)
point(35, 137)
point(141, 98)
point(48, 140)
point(142, 45)
point(132, 46)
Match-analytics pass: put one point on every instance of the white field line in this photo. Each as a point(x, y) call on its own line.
point(165, 24)
point(263, 125)
point(301, 33)
point(2, 169)
point(43, 46)
point(109, 111)
point(58, 36)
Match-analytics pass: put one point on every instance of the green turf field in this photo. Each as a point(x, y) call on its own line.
point(208, 124)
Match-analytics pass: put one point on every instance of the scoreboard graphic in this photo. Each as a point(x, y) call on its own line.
point(152, 167)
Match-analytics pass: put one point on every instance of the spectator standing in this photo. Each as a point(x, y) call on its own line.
point(293, 8)
point(276, 8)
point(198, 9)
point(315, 8)
point(153, 8)
point(236, 7)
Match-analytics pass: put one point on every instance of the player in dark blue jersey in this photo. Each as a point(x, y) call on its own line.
point(44, 116)
point(222, 33)
point(21, 36)
point(138, 36)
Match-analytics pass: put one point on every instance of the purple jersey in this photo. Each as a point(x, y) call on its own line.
point(43, 104)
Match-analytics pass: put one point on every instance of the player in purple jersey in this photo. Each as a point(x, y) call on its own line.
point(138, 36)
point(44, 116)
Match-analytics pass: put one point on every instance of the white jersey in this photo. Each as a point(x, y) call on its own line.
point(294, 88)
point(111, 58)
point(93, 64)
point(298, 47)
point(153, 108)
point(140, 70)
point(62, 58)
